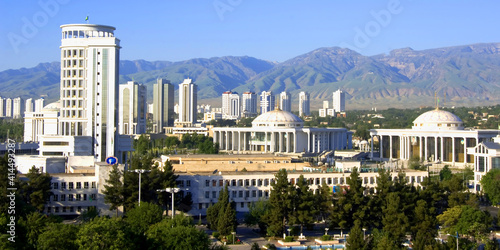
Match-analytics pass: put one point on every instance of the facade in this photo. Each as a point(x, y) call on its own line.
point(2, 107)
point(29, 107)
point(436, 136)
point(209, 116)
point(188, 98)
point(486, 157)
point(90, 57)
point(17, 108)
point(43, 122)
point(285, 101)
point(163, 105)
point(283, 132)
point(304, 104)
point(8, 107)
point(132, 109)
point(267, 101)
point(39, 105)
point(230, 105)
point(249, 104)
point(338, 103)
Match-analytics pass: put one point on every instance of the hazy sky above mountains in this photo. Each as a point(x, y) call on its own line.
point(177, 30)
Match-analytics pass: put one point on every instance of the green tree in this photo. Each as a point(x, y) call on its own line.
point(394, 221)
point(227, 219)
point(424, 226)
point(303, 204)
point(166, 235)
point(256, 213)
point(58, 236)
point(141, 217)
point(466, 220)
point(323, 201)
point(280, 204)
point(34, 224)
point(105, 233)
point(445, 173)
point(114, 190)
point(356, 238)
point(36, 190)
point(491, 185)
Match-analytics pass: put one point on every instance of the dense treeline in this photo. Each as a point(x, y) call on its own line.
point(11, 128)
point(390, 213)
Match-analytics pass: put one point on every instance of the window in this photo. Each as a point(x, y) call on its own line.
point(254, 182)
point(56, 209)
point(240, 183)
point(214, 183)
point(221, 183)
point(70, 197)
point(180, 183)
point(207, 194)
point(240, 194)
point(92, 197)
point(207, 183)
point(70, 185)
point(260, 193)
point(86, 185)
point(188, 183)
point(93, 184)
point(78, 197)
point(79, 209)
point(247, 182)
point(64, 209)
point(78, 185)
point(63, 197)
point(71, 209)
point(254, 193)
point(214, 194)
point(55, 185)
point(243, 204)
point(84, 197)
point(48, 210)
point(247, 194)
point(55, 197)
point(234, 194)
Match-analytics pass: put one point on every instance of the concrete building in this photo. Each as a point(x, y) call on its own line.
point(230, 105)
point(17, 108)
point(29, 106)
point(304, 104)
point(90, 57)
point(486, 157)
point(267, 101)
point(283, 132)
point(39, 104)
point(132, 109)
point(338, 103)
point(43, 122)
point(436, 136)
point(2, 107)
point(285, 101)
point(163, 105)
point(249, 104)
point(188, 101)
point(8, 107)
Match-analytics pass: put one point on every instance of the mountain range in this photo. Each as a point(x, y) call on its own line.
point(466, 75)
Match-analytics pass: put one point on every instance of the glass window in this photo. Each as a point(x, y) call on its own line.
point(188, 183)
point(78, 185)
point(86, 185)
point(214, 194)
point(78, 197)
point(55, 197)
point(71, 185)
point(70, 197)
point(93, 184)
point(55, 185)
point(207, 194)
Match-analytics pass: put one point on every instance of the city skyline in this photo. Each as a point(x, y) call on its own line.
point(221, 28)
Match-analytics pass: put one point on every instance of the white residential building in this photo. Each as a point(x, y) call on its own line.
point(249, 104)
point(285, 101)
point(39, 104)
point(267, 102)
point(188, 95)
point(2, 107)
point(304, 104)
point(17, 108)
point(8, 107)
point(29, 107)
point(43, 122)
point(338, 103)
point(163, 105)
point(230, 105)
point(132, 109)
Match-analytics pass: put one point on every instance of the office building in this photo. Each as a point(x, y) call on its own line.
point(249, 104)
point(267, 102)
point(338, 103)
point(163, 105)
point(304, 105)
point(285, 101)
point(230, 105)
point(188, 95)
point(132, 109)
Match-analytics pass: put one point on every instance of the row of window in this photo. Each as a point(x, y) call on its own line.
point(73, 53)
point(73, 63)
point(72, 83)
point(240, 194)
point(72, 93)
point(73, 197)
point(70, 185)
point(73, 73)
point(78, 209)
point(241, 204)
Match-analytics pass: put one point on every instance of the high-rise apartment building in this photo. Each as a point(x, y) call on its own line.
point(249, 104)
point(29, 107)
point(230, 105)
point(188, 95)
point(90, 57)
point(304, 105)
point(163, 105)
point(2, 107)
point(8, 107)
point(267, 101)
point(39, 105)
point(132, 109)
point(338, 101)
point(285, 101)
point(17, 108)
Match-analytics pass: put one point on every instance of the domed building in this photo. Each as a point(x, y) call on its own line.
point(281, 131)
point(436, 136)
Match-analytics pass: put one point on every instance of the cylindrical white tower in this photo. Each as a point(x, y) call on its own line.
point(89, 85)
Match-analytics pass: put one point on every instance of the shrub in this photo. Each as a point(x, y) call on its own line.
point(326, 237)
point(216, 235)
point(288, 238)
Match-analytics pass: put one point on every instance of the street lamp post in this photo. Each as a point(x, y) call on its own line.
point(140, 171)
point(173, 191)
point(288, 229)
point(234, 234)
point(326, 230)
point(364, 233)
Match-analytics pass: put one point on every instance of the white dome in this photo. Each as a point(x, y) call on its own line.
point(53, 106)
point(438, 119)
point(277, 118)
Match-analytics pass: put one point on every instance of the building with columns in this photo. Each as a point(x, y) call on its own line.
point(486, 157)
point(436, 136)
point(281, 131)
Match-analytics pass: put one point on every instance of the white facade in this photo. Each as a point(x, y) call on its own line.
point(285, 101)
point(281, 131)
point(326, 112)
point(486, 157)
point(249, 104)
point(44, 122)
point(29, 107)
point(163, 105)
point(338, 103)
point(2, 107)
point(132, 109)
point(188, 95)
point(267, 102)
point(230, 105)
point(17, 108)
point(304, 104)
point(8, 107)
point(39, 105)
point(89, 85)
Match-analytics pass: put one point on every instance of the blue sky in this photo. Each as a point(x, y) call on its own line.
point(177, 30)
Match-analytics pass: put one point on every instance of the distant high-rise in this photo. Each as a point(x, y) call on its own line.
point(285, 101)
point(8, 107)
point(188, 95)
point(230, 105)
point(39, 105)
point(132, 109)
point(29, 105)
point(90, 56)
point(326, 104)
point(304, 105)
point(163, 105)
point(2, 107)
point(17, 108)
point(267, 101)
point(249, 104)
point(338, 101)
